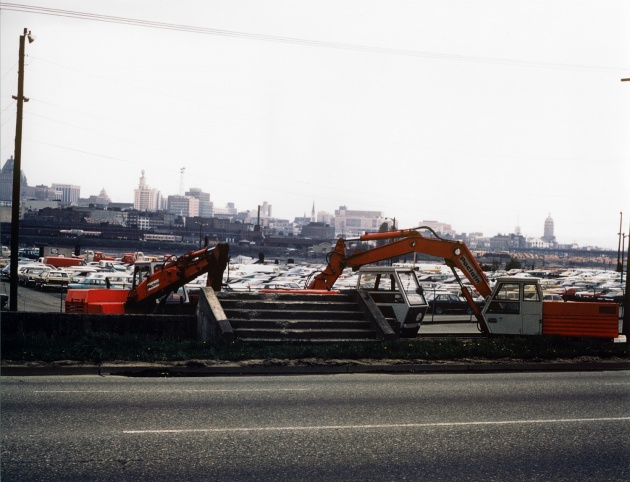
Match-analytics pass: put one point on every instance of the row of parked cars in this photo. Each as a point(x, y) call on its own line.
point(44, 277)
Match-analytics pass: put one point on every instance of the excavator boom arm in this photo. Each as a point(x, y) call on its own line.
point(455, 253)
point(172, 275)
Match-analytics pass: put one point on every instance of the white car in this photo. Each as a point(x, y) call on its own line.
point(53, 279)
point(552, 297)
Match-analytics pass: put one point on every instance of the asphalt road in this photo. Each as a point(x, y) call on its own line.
point(529, 426)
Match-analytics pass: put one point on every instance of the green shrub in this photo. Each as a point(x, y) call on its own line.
point(103, 347)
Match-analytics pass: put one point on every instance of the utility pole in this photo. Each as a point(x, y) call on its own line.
point(625, 329)
point(17, 178)
point(619, 255)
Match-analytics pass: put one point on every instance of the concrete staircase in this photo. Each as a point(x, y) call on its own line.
point(296, 317)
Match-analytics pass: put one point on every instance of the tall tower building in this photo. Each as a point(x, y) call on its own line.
point(517, 229)
point(145, 198)
point(549, 236)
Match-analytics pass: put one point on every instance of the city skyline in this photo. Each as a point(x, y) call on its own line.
point(71, 194)
point(485, 116)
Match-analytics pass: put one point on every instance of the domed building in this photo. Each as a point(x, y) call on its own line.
point(103, 198)
point(6, 181)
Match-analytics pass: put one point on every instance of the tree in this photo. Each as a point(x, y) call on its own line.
point(513, 263)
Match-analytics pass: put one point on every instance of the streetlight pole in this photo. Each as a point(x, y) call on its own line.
point(393, 220)
point(17, 178)
point(201, 225)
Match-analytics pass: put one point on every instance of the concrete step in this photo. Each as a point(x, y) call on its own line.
point(288, 305)
point(292, 297)
point(292, 324)
point(291, 334)
point(292, 316)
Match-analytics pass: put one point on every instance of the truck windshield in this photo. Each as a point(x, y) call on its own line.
point(411, 287)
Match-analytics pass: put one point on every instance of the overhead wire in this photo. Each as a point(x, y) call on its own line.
point(297, 41)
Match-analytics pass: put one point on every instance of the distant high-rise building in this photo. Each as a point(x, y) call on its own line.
point(265, 210)
point(205, 205)
point(145, 198)
point(45, 193)
point(69, 193)
point(438, 227)
point(186, 206)
point(548, 231)
point(349, 223)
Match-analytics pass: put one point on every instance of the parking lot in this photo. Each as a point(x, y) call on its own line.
point(34, 300)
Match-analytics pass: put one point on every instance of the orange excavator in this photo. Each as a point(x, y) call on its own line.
point(514, 306)
point(154, 282)
point(455, 254)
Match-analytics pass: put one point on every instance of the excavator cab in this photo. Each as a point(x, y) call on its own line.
point(397, 294)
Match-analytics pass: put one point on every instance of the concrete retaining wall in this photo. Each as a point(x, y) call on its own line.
point(172, 327)
point(212, 324)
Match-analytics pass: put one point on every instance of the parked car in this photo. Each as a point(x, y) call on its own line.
point(616, 295)
point(5, 273)
point(552, 297)
point(451, 303)
point(53, 279)
point(30, 274)
point(101, 281)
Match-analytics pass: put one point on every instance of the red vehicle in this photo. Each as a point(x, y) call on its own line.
point(100, 256)
point(129, 257)
point(63, 262)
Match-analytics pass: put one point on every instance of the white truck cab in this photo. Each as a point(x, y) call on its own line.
point(515, 307)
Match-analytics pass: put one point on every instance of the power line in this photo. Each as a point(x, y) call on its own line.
point(12, 70)
point(296, 41)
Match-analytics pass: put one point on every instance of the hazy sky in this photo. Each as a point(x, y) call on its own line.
point(483, 114)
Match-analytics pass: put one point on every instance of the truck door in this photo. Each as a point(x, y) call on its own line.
point(515, 308)
point(531, 309)
point(503, 311)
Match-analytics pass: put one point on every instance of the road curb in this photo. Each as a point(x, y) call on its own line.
point(197, 371)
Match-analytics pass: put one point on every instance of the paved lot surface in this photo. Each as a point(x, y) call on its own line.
point(31, 299)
